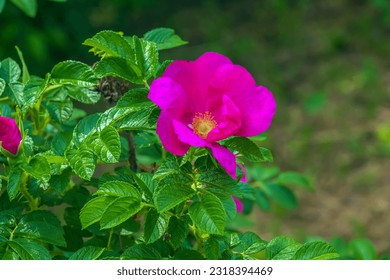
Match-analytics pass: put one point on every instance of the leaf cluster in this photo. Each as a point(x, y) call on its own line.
point(59, 203)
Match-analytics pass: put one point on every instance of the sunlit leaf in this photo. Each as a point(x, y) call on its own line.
point(94, 209)
point(155, 226)
point(82, 161)
point(316, 250)
point(119, 189)
point(120, 210)
point(165, 38)
point(87, 253)
point(29, 250)
point(164, 198)
point(208, 214)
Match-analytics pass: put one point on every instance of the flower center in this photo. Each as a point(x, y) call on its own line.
point(203, 123)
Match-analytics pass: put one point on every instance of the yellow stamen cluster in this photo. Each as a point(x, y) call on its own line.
point(203, 123)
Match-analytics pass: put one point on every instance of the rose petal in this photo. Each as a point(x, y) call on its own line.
point(229, 121)
point(186, 135)
point(263, 109)
point(225, 158)
point(239, 205)
point(244, 174)
point(10, 135)
point(168, 136)
point(256, 104)
point(167, 94)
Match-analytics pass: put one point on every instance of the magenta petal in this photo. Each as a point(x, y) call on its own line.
point(229, 121)
point(239, 205)
point(259, 114)
point(167, 94)
point(245, 175)
point(186, 135)
point(225, 158)
point(169, 138)
point(255, 103)
point(9, 135)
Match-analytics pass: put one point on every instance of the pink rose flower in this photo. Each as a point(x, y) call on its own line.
point(207, 100)
point(10, 136)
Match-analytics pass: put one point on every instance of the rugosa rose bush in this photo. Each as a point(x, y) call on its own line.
point(173, 192)
point(208, 100)
point(10, 136)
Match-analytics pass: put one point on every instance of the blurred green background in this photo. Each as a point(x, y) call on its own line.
point(327, 63)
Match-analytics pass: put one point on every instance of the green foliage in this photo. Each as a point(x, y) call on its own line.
point(164, 38)
point(29, 7)
point(151, 205)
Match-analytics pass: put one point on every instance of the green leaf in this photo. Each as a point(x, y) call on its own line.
point(83, 95)
point(172, 192)
point(82, 161)
point(127, 118)
point(136, 98)
point(2, 3)
point(39, 168)
point(60, 143)
point(119, 189)
point(29, 7)
point(119, 67)
point(165, 38)
point(220, 183)
point(87, 253)
point(212, 248)
point(60, 111)
point(316, 250)
point(84, 127)
point(247, 148)
point(78, 79)
point(155, 226)
point(362, 249)
point(10, 255)
point(142, 119)
point(73, 73)
point(26, 75)
point(281, 195)
point(140, 252)
point(120, 210)
point(15, 93)
point(29, 250)
point(33, 90)
point(267, 155)
point(187, 254)
point(41, 231)
point(14, 181)
point(94, 209)
point(107, 145)
point(250, 243)
point(177, 231)
point(208, 214)
point(262, 200)
point(294, 178)
point(146, 56)
point(161, 68)
point(281, 248)
point(145, 182)
point(10, 71)
point(109, 43)
point(168, 167)
point(2, 87)
point(230, 208)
